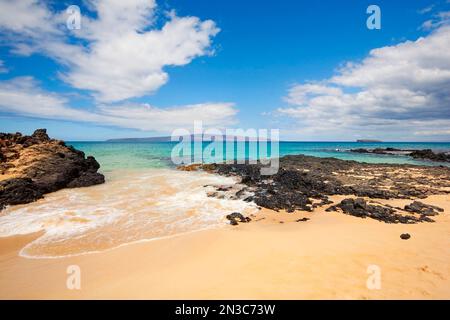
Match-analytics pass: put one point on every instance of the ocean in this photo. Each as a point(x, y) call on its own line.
point(128, 155)
point(145, 199)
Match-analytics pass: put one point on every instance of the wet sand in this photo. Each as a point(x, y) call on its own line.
point(326, 257)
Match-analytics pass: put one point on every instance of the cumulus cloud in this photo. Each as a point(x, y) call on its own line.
point(27, 17)
point(22, 96)
point(118, 53)
point(394, 92)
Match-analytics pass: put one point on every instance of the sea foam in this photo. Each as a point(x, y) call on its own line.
point(129, 207)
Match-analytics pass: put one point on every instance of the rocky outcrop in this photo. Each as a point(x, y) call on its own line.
point(31, 166)
point(376, 150)
point(360, 208)
point(18, 191)
point(423, 209)
point(304, 183)
point(426, 154)
point(237, 217)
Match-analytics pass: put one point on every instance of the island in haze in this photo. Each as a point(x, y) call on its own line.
point(193, 137)
point(368, 140)
point(148, 139)
point(206, 137)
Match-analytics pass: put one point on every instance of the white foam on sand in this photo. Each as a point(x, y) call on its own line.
point(129, 207)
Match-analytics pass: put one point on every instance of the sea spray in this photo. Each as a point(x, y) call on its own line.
point(130, 207)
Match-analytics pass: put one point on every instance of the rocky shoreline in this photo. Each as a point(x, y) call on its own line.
point(304, 183)
point(425, 154)
point(31, 166)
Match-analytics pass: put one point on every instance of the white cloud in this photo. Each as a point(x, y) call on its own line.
point(300, 94)
point(394, 92)
point(22, 96)
point(27, 17)
point(426, 9)
point(132, 65)
point(439, 19)
point(120, 54)
point(147, 117)
point(432, 132)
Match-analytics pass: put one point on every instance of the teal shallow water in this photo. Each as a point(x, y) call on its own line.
point(143, 200)
point(128, 155)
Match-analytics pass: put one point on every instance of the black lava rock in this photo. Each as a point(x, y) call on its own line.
point(45, 165)
point(305, 183)
point(423, 209)
point(360, 208)
point(428, 154)
point(18, 191)
point(405, 236)
point(236, 217)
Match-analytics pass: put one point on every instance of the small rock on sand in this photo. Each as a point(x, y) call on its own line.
point(405, 236)
point(236, 217)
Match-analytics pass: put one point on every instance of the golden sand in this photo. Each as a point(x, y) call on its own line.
point(326, 257)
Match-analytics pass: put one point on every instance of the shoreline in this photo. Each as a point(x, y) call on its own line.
point(323, 258)
point(33, 237)
point(298, 250)
point(133, 206)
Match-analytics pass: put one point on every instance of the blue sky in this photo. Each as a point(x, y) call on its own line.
point(253, 64)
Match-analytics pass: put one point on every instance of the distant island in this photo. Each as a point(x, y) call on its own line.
point(149, 139)
point(368, 140)
point(193, 138)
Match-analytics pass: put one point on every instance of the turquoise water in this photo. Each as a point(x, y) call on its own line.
point(130, 155)
point(144, 199)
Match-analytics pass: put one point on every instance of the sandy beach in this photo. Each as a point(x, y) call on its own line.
point(227, 150)
point(273, 257)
